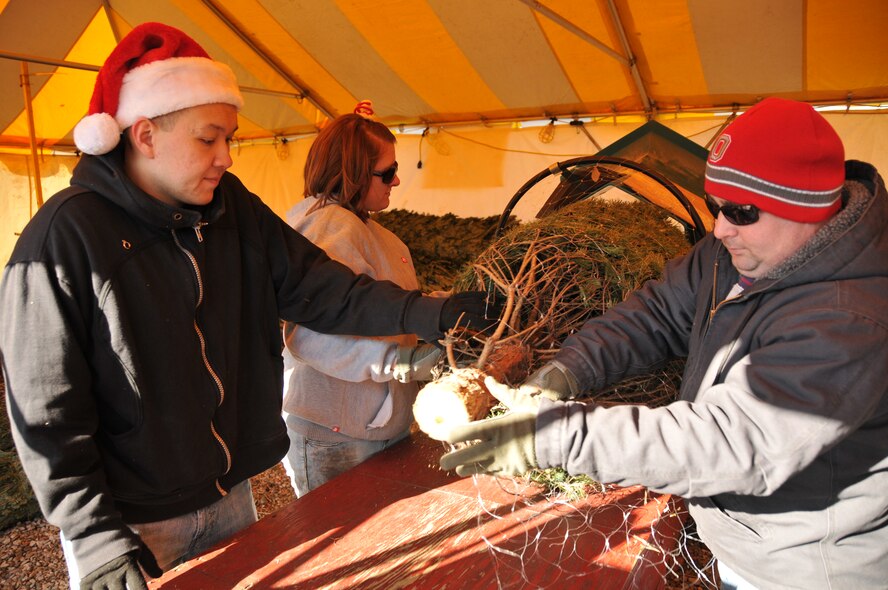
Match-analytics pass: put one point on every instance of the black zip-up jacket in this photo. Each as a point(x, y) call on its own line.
point(141, 346)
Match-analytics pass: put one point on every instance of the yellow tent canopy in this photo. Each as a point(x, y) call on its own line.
point(441, 62)
point(482, 94)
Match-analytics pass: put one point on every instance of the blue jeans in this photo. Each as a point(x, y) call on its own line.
point(310, 463)
point(730, 580)
point(178, 539)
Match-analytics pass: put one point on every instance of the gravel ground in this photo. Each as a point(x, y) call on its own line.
point(31, 558)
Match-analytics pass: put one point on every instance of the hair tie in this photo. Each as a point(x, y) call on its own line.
point(365, 109)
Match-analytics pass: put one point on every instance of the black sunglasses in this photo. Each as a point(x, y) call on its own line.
point(736, 214)
point(387, 175)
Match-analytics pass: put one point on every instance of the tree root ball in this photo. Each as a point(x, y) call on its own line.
point(459, 397)
point(509, 362)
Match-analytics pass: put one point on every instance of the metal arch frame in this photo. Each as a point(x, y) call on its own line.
point(694, 233)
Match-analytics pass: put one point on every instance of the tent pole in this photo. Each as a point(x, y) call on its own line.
point(633, 62)
point(308, 95)
point(627, 60)
point(554, 16)
point(111, 22)
point(32, 136)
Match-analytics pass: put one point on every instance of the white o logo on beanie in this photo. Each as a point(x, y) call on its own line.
point(720, 147)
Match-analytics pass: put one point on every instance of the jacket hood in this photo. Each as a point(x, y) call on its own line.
point(105, 176)
point(853, 243)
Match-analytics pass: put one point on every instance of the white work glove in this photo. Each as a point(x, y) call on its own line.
point(416, 363)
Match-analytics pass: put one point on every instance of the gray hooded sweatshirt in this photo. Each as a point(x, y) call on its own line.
point(343, 387)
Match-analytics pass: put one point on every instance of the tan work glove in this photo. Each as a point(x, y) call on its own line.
point(416, 363)
point(505, 444)
point(123, 572)
point(554, 381)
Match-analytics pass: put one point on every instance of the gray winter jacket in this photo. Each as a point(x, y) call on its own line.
point(779, 441)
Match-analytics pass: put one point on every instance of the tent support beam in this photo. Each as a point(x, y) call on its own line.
point(106, 5)
point(629, 62)
point(32, 135)
point(633, 63)
point(554, 16)
point(302, 92)
point(60, 63)
point(47, 61)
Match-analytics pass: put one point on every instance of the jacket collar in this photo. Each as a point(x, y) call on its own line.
point(105, 176)
point(837, 251)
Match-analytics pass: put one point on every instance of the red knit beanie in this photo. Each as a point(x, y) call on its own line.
point(154, 70)
point(781, 156)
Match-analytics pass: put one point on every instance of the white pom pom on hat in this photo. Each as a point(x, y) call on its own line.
point(154, 70)
point(97, 134)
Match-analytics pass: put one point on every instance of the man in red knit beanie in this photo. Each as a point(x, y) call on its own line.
point(778, 440)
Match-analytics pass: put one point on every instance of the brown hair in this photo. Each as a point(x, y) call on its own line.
point(340, 162)
point(164, 122)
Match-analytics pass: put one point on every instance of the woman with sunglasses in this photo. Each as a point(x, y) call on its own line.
point(346, 398)
point(779, 441)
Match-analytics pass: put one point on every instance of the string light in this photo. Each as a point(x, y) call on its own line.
point(282, 148)
point(547, 133)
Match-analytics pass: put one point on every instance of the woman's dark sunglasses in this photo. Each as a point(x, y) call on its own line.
point(387, 175)
point(736, 214)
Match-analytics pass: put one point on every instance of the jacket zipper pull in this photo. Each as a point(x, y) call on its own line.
point(197, 231)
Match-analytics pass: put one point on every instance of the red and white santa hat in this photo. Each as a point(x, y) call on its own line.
point(154, 70)
point(781, 156)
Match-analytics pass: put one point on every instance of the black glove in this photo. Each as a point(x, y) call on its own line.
point(472, 309)
point(505, 444)
point(416, 363)
point(121, 573)
point(554, 381)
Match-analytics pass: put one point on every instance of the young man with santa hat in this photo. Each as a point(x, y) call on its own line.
point(140, 321)
point(779, 441)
